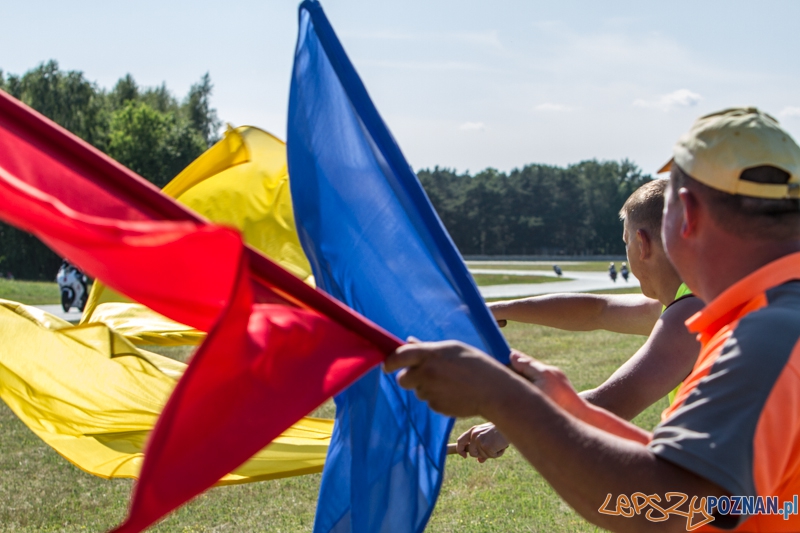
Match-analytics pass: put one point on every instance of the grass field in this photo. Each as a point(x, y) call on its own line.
point(40, 491)
point(504, 279)
point(30, 292)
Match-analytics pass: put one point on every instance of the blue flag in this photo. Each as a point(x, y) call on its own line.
point(374, 242)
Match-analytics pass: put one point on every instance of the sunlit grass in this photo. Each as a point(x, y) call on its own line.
point(30, 292)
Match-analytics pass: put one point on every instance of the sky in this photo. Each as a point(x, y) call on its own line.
point(461, 84)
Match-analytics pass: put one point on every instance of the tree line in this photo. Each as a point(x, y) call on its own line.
point(147, 129)
point(538, 209)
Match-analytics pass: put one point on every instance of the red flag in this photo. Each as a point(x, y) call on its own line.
point(276, 348)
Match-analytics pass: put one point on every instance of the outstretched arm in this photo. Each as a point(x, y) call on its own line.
point(655, 369)
point(650, 374)
point(621, 313)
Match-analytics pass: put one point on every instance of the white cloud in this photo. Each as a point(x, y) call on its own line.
point(473, 126)
point(790, 112)
point(549, 106)
point(667, 102)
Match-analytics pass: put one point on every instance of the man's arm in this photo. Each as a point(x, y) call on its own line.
point(650, 374)
point(655, 369)
point(485, 441)
point(583, 463)
point(621, 313)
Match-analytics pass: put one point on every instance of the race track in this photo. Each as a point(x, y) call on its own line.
point(579, 282)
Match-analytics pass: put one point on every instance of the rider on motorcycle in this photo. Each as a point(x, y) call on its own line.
point(72, 282)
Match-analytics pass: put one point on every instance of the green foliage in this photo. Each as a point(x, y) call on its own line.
point(67, 98)
point(538, 209)
point(152, 143)
point(146, 129)
point(202, 117)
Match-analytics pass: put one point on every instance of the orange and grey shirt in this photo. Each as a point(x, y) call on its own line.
point(736, 418)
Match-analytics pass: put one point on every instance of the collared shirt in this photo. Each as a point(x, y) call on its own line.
point(736, 418)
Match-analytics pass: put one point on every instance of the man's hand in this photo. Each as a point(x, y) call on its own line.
point(455, 379)
point(483, 441)
point(550, 380)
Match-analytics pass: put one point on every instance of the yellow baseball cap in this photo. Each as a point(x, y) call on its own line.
point(722, 145)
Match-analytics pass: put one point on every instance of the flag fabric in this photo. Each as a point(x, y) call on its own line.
point(55, 377)
point(374, 242)
point(276, 348)
point(241, 181)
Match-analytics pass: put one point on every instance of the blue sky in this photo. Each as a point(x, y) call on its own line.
point(462, 84)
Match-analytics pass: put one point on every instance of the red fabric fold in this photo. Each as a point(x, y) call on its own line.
point(276, 348)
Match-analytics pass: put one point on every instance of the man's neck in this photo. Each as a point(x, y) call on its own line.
point(667, 286)
point(725, 263)
point(665, 280)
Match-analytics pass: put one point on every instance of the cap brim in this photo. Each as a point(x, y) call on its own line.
point(667, 167)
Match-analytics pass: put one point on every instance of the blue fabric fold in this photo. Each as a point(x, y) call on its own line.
point(374, 242)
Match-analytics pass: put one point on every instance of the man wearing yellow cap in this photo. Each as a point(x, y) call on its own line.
point(732, 230)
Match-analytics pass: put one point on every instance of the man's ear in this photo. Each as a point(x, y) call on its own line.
point(645, 244)
point(690, 210)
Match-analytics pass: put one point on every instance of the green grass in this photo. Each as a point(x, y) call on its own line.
point(505, 279)
point(575, 266)
point(40, 491)
point(30, 292)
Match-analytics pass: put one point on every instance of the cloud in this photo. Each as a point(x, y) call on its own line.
point(473, 126)
point(549, 106)
point(790, 112)
point(667, 102)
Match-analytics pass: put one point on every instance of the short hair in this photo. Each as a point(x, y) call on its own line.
point(644, 208)
point(747, 216)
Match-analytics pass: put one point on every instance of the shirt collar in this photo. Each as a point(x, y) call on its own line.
point(725, 307)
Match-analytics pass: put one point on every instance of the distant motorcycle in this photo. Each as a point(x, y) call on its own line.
point(612, 272)
point(557, 270)
point(625, 272)
point(73, 285)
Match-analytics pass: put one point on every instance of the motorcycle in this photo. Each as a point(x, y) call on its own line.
point(73, 285)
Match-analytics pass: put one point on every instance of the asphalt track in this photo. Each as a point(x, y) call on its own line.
point(73, 315)
point(578, 282)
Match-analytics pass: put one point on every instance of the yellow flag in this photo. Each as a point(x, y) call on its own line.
point(94, 397)
point(242, 181)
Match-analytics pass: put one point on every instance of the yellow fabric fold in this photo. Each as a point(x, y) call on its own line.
point(94, 397)
point(242, 181)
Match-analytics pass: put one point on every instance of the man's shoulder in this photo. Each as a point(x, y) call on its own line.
point(764, 341)
point(784, 297)
point(776, 323)
point(676, 315)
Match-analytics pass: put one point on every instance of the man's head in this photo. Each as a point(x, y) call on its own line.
point(734, 178)
point(644, 208)
point(641, 216)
